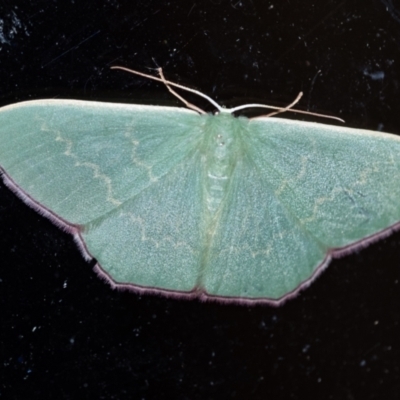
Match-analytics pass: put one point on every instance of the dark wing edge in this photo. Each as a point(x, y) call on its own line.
point(196, 293)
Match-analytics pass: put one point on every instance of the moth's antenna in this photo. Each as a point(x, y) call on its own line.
point(187, 104)
point(296, 100)
point(168, 83)
point(290, 109)
point(285, 109)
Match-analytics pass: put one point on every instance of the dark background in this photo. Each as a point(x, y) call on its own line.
point(66, 335)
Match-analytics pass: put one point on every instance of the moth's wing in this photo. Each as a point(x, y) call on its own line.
point(301, 191)
point(125, 174)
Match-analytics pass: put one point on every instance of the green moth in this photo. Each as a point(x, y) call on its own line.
point(187, 204)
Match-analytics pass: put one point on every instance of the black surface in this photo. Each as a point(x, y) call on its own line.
point(66, 335)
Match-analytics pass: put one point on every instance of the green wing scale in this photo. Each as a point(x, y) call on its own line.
point(207, 206)
point(301, 193)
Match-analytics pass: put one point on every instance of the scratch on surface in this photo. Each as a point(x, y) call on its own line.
point(71, 48)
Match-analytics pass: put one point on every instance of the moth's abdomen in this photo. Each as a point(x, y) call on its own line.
point(220, 158)
point(218, 172)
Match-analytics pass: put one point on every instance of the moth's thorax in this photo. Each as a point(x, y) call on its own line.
point(222, 143)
